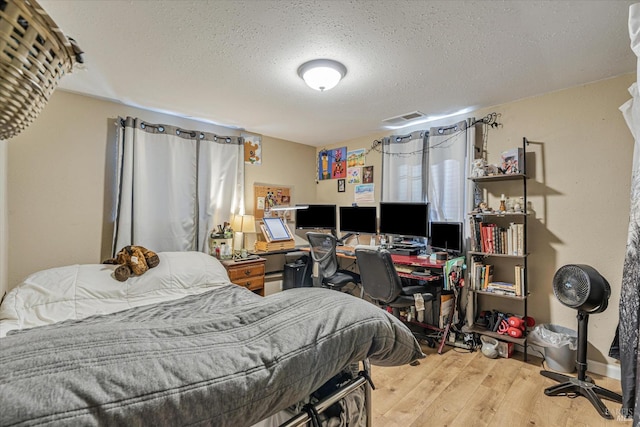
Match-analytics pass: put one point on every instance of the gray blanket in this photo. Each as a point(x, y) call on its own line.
point(223, 358)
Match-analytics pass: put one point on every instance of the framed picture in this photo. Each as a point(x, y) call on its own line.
point(367, 175)
point(341, 184)
point(252, 149)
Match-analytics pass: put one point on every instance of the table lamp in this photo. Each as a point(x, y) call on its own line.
point(243, 224)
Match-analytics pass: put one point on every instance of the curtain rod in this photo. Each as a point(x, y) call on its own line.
point(178, 130)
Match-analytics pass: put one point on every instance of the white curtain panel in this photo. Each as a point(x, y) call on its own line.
point(447, 172)
point(404, 166)
point(220, 186)
point(4, 227)
point(628, 343)
point(174, 185)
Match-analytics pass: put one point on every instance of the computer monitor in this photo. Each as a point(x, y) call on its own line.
point(404, 219)
point(446, 236)
point(358, 219)
point(317, 217)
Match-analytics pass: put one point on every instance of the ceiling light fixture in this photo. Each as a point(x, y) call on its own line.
point(322, 74)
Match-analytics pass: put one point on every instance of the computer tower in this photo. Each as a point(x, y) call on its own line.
point(297, 274)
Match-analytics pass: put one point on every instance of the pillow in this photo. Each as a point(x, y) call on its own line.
point(82, 290)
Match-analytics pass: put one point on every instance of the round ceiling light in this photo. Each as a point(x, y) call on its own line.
point(322, 74)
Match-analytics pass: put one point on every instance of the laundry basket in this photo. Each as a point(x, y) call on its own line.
point(34, 55)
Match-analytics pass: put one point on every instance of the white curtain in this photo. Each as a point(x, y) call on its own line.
point(404, 166)
point(174, 185)
point(4, 227)
point(448, 166)
point(627, 346)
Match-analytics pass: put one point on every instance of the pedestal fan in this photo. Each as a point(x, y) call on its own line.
point(583, 288)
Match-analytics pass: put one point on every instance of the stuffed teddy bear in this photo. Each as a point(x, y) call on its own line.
point(133, 261)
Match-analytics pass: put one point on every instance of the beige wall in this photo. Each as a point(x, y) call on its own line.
point(60, 181)
point(580, 166)
point(283, 164)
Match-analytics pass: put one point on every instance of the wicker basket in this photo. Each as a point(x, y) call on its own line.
point(34, 55)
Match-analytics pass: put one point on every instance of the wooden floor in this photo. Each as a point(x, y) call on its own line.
point(458, 388)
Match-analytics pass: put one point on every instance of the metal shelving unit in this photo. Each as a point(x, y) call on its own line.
point(520, 302)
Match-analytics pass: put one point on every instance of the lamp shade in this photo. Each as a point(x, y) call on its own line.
point(322, 74)
point(244, 223)
point(248, 224)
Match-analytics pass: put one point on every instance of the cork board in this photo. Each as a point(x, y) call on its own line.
point(267, 197)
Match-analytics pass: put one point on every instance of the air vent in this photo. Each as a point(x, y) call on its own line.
point(403, 119)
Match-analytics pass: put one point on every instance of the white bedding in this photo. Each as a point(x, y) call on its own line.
point(79, 291)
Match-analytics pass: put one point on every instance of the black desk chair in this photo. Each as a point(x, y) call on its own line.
point(381, 282)
point(325, 271)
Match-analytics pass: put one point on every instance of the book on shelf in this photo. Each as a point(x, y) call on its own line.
point(477, 275)
point(492, 239)
point(502, 288)
point(488, 275)
point(519, 276)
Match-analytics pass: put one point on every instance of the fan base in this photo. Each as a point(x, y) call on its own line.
point(571, 385)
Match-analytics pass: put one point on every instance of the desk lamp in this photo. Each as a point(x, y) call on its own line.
point(243, 224)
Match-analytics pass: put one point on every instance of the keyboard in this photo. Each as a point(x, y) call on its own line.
point(403, 269)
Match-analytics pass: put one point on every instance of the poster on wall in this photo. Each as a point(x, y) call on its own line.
point(363, 193)
point(354, 175)
point(355, 158)
point(332, 164)
point(268, 197)
point(252, 149)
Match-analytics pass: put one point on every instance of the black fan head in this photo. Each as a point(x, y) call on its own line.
point(581, 287)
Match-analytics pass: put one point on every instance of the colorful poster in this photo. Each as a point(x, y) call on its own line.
point(332, 164)
point(363, 193)
point(354, 175)
point(355, 158)
point(253, 149)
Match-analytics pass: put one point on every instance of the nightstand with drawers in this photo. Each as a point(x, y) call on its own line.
point(248, 273)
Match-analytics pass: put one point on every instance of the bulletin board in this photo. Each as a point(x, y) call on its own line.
point(267, 197)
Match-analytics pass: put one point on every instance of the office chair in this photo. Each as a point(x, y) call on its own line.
point(380, 281)
point(325, 263)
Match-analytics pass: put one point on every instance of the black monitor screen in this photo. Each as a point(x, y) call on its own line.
point(358, 219)
point(447, 236)
point(317, 217)
point(404, 219)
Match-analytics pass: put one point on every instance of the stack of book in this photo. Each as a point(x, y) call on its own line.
point(503, 288)
point(481, 279)
point(492, 239)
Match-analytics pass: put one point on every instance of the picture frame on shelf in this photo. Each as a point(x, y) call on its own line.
point(512, 161)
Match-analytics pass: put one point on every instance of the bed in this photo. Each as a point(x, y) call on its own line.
point(182, 345)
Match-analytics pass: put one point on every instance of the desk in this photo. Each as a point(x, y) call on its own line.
point(433, 283)
point(278, 258)
point(413, 261)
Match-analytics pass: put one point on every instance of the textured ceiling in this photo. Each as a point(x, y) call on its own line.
point(234, 63)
